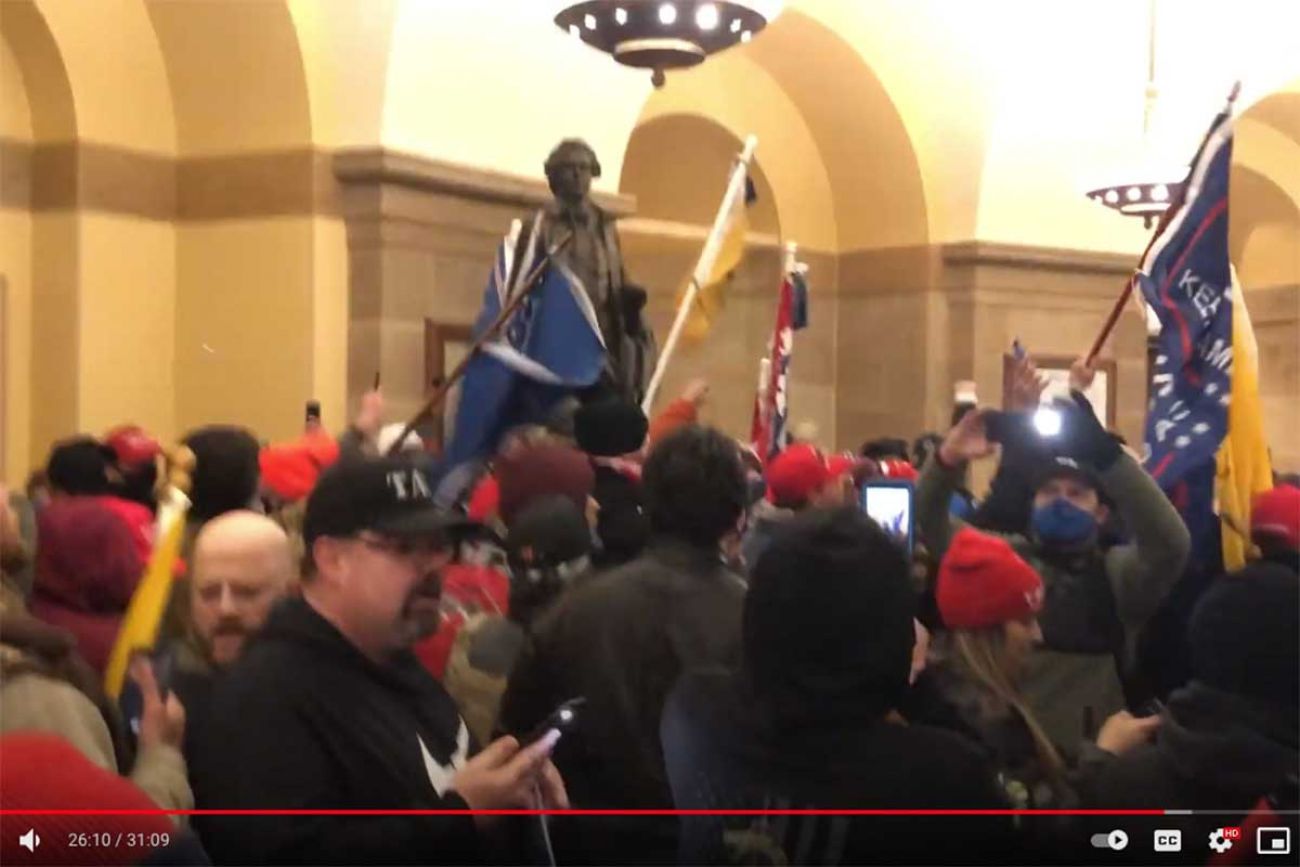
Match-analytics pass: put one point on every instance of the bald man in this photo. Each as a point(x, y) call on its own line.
point(242, 566)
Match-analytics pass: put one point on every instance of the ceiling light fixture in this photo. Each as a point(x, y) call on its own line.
point(659, 36)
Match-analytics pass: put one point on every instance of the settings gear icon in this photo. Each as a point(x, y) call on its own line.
point(1219, 841)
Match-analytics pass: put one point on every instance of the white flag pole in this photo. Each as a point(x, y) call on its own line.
point(712, 245)
point(791, 248)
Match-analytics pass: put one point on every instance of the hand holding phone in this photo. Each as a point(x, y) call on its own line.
point(312, 416)
point(161, 717)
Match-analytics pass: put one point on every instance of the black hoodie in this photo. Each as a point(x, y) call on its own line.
point(305, 721)
point(1214, 751)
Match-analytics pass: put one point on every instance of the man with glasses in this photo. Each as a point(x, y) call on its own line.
point(328, 708)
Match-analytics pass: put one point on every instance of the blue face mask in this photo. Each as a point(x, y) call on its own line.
point(1062, 522)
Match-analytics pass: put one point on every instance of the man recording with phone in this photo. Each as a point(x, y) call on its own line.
point(1095, 600)
point(329, 709)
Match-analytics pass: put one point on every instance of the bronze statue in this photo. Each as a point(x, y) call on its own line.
point(595, 258)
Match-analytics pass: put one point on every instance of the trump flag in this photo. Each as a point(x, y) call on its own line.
point(1204, 432)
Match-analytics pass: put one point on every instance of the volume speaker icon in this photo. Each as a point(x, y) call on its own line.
point(30, 840)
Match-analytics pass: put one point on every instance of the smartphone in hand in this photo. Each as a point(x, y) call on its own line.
point(564, 718)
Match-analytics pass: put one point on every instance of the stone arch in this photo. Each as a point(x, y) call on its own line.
point(44, 75)
point(878, 193)
point(237, 77)
point(734, 94)
point(1264, 231)
point(38, 257)
point(677, 167)
point(1265, 208)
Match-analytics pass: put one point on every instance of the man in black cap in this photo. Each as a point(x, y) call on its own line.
point(1096, 599)
point(329, 709)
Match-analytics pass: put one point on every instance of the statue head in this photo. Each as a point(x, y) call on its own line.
point(570, 169)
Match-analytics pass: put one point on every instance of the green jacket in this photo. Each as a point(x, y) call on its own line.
point(1095, 602)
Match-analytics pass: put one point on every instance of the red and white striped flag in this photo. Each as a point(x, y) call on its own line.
point(769, 428)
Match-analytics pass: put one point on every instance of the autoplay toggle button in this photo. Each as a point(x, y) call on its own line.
point(1116, 840)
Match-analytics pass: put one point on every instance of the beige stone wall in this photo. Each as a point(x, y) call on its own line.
point(1275, 312)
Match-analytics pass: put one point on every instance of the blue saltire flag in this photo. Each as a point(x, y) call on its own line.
point(550, 347)
point(1186, 277)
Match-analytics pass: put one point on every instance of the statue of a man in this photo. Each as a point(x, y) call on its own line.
point(595, 258)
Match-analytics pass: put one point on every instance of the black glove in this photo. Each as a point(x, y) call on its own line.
point(1082, 436)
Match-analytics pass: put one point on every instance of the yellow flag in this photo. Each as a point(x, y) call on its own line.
point(710, 299)
point(1243, 464)
point(149, 602)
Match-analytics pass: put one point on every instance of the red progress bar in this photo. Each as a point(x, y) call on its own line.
point(842, 812)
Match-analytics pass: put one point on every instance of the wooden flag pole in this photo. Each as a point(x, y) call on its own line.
point(712, 245)
point(1111, 321)
point(531, 282)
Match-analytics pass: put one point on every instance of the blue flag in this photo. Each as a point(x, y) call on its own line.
point(1186, 278)
point(550, 346)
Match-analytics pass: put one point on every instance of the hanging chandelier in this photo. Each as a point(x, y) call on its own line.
point(665, 34)
point(1148, 188)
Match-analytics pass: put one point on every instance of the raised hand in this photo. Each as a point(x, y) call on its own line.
point(967, 441)
point(1082, 374)
point(1027, 386)
point(162, 720)
point(696, 391)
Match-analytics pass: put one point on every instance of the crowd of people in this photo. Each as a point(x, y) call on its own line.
point(619, 613)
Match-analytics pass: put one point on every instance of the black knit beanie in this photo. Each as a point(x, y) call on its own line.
point(79, 465)
point(828, 620)
point(226, 471)
point(610, 428)
point(1244, 634)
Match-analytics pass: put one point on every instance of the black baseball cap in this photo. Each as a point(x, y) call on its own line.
point(1060, 466)
point(391, 496)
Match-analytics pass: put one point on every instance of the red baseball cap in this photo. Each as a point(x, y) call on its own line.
point(896, 468)
point(797, 472)
point(1276, 515)
point(983, 582)
point(132, 446)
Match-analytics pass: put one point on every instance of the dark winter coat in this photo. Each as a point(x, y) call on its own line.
point(622, 524)
point(305, 721)
point(722, 754)
point(621, 641)
point(1214, 751)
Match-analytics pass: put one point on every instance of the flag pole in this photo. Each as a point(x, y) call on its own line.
point(788, 266)
point(1115, 311)
point(531, 282)
point(712, 245)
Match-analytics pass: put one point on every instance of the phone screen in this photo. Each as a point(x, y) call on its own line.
point(889, 504)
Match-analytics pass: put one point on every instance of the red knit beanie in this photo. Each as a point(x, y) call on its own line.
point(982, 582)
point(40, 771)
point(526, 475)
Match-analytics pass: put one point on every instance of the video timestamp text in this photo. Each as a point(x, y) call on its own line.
point(117, 840)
